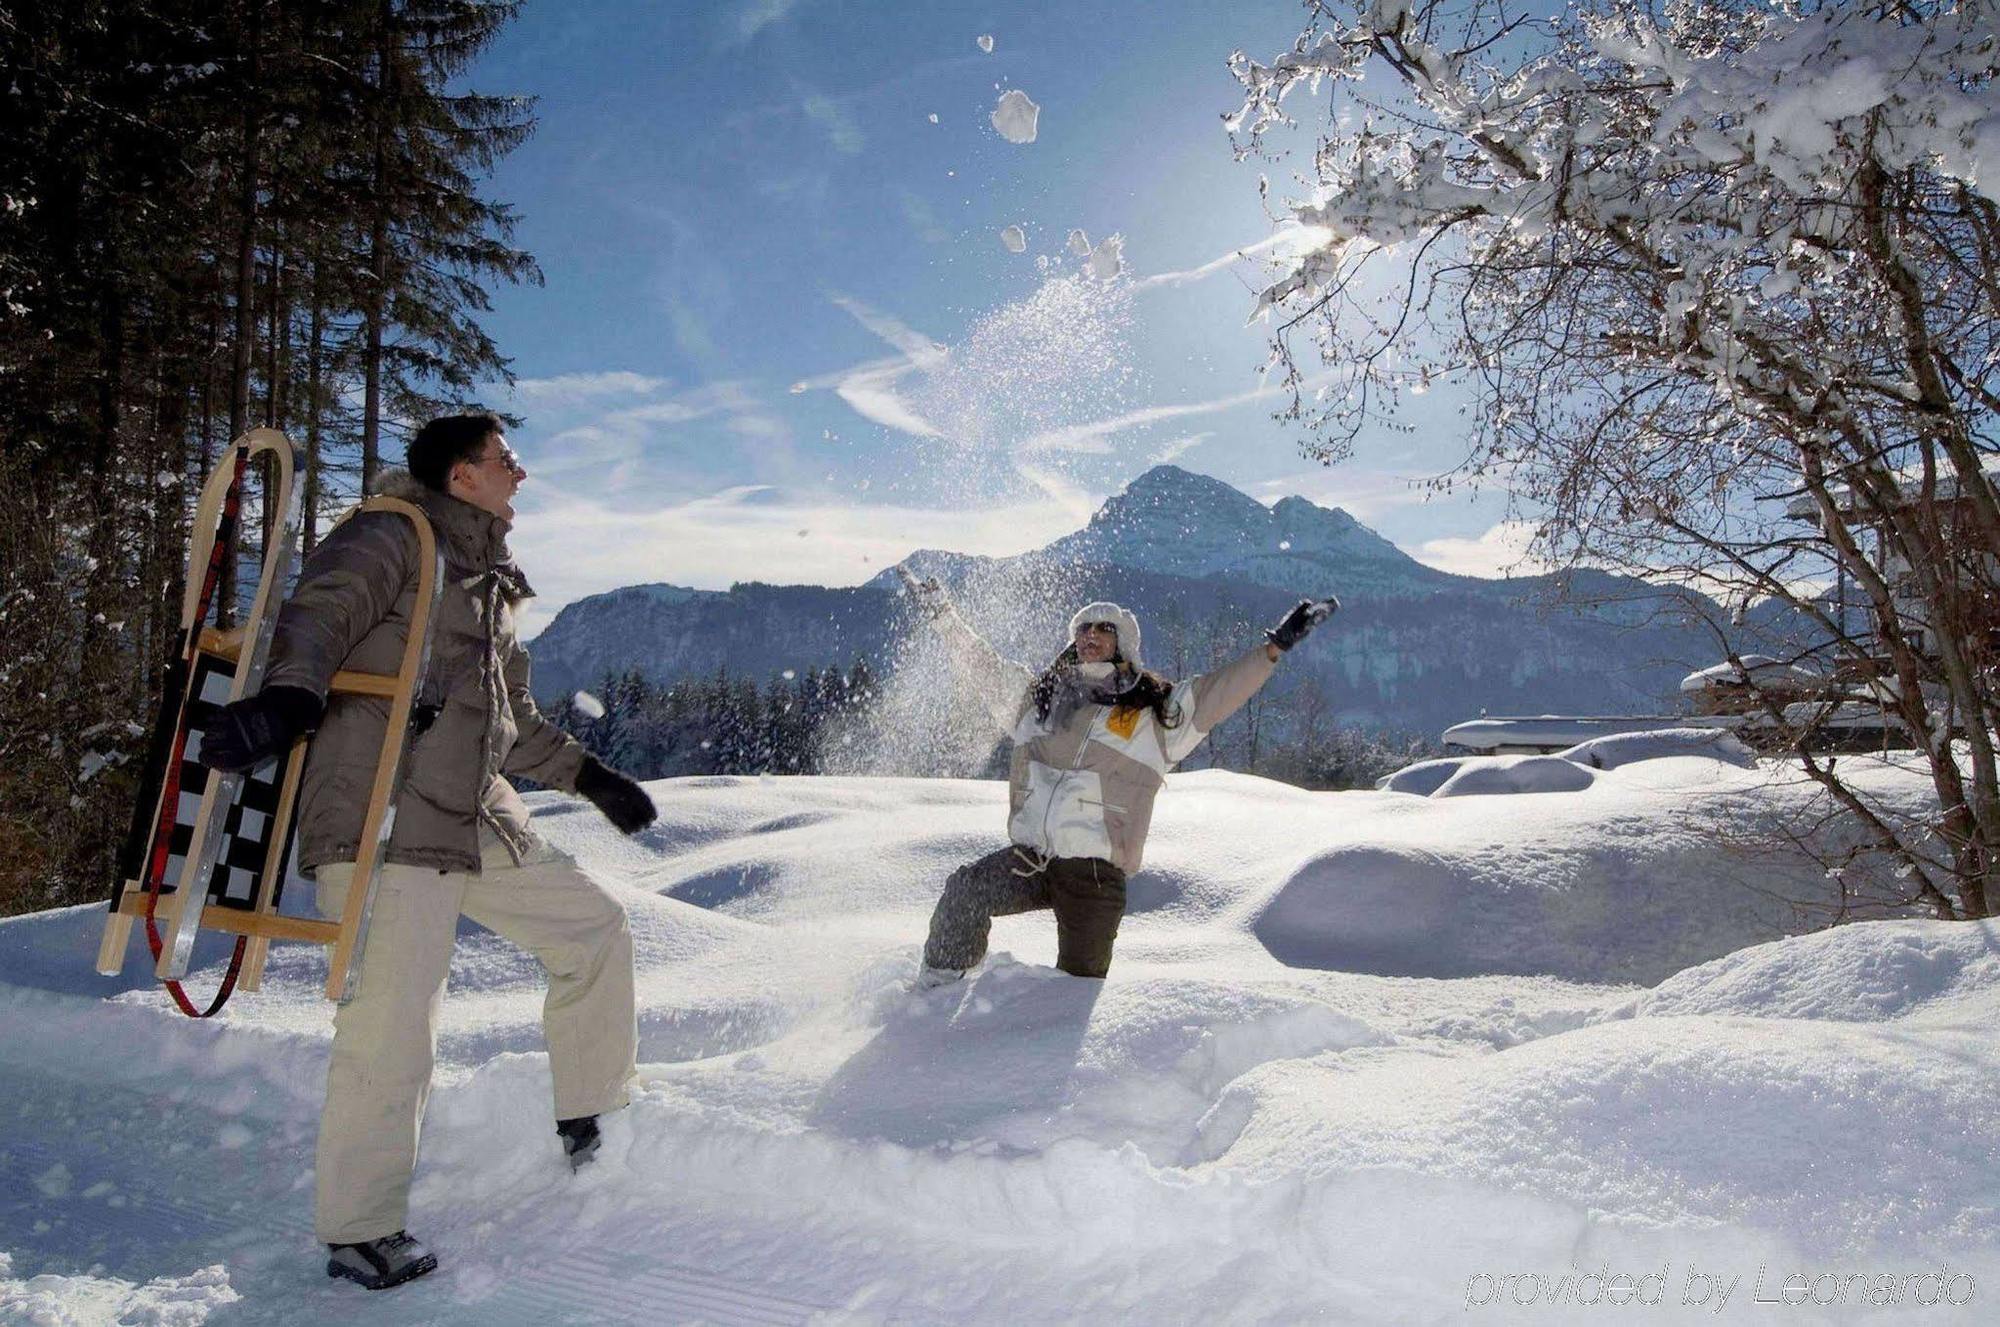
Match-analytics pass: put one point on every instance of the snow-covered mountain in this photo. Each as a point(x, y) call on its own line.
point(1174, 521)
point(1205, 566)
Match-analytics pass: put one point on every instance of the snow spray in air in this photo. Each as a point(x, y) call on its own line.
point(1028, 393)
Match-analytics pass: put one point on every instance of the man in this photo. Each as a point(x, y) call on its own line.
point(1094, 737)
point(461, 841)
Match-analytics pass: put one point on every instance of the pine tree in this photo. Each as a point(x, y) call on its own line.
point(182, 203)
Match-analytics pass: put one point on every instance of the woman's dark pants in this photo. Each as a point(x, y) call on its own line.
point(1087, 894)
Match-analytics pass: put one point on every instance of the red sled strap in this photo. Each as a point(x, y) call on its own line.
point(156, 865)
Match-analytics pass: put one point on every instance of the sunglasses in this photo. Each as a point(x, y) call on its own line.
point(506, 459)
point(1110, 628)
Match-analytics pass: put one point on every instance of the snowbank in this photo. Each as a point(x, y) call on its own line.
point(1868, 972)
point(1534, 774)
point(1516, 774)
point(1336, 1022)
point(1423, 778)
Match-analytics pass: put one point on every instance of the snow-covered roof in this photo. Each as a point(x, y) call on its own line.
point(1760, 668)
point(1560, 730)
point(1911, 483)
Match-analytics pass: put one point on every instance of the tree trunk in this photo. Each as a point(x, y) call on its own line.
point(246, 287)
point(315, 409)
point(378, 254)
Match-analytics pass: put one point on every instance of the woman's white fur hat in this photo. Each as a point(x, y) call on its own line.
point(1127, 624)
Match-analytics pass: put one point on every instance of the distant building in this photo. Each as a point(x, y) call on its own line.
point(1751, 687)
point(1545, 733)
point(1970, 559)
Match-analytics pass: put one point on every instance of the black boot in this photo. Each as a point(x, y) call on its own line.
point(381, 1263)
point(580, 1140)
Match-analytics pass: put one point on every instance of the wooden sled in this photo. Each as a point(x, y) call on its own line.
point(235, 833)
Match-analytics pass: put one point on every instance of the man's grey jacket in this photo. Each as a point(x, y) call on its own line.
point(352, 610)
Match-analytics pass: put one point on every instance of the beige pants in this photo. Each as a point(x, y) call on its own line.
point(385, 1038)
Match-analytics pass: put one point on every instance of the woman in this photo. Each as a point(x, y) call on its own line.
point(1094, 737)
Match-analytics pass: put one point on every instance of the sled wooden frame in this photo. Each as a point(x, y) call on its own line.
point(264, 923)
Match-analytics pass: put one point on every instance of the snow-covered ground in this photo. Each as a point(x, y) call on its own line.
point(1363, 1057)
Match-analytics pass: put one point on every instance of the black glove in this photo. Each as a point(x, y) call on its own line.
point(248, 732)
point(623, 802)
point(1298, 623)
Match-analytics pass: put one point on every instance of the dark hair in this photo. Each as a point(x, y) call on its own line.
point(446, 441)
point(1149, 690)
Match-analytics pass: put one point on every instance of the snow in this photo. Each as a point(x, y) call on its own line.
point(97, 1301)
point(1872, 972)
point(1516, 774)
point(1014, 239)
point(1762, 669)
point(1624, 748)
point(1107, 260)
point(985, 40)
point(1566, 731)
point(1079, 243)
point(1358, 1051)
point(1423, 778)
point(1015, 116)
point(589, 706)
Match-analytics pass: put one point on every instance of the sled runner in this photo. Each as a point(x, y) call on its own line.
point(231, 832)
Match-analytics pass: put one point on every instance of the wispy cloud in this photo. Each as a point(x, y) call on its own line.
point(923, 352)
point(871, 393)
point(691, 332)
point(1359, 492)
point(615, 440)
point(1501, 551)
point(1064, 492)
point(1173, 450)
point(751, 532)
point(869, 389)
point(1095, 436)
point(1288, 241)
point(922, 218)
point(752, 17)
point(838, 122)
point(568, 391)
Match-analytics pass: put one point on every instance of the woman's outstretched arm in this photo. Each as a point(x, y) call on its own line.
point(1002, 684)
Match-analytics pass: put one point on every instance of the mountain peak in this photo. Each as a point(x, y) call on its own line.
point(1165, 478)
point(1183, 523)
point(1167, 496)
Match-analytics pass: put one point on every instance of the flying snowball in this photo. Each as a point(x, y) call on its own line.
point(1015, 116)
point(1079, 244)
point(934, 118)
point(589, 706)
point(1108, 259)
point(986, 42)
point(1015, 239)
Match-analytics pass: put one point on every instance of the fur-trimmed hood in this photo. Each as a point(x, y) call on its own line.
point(1123, 618)
point(475, 541)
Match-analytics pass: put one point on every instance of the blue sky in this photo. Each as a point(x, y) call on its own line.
point(782, 337)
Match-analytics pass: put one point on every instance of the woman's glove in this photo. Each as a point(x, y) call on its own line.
point(623, 802)
point(246, 733)
point(1298, 623)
